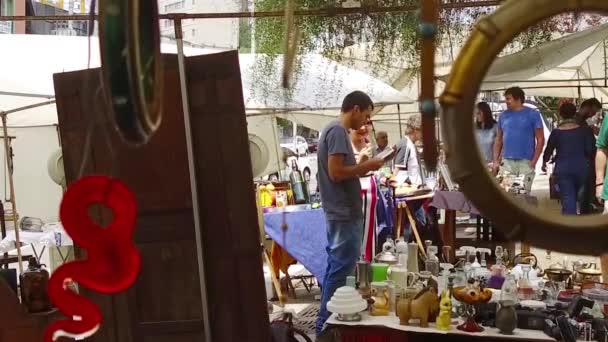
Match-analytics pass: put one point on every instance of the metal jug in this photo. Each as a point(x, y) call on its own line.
point(364, 275)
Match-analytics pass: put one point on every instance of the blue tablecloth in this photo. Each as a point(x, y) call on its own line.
point(305, 240)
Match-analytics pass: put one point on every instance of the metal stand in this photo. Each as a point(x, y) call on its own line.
point(192, 171)
point(12, 190)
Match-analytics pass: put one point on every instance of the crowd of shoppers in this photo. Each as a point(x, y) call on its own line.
point(515, 143)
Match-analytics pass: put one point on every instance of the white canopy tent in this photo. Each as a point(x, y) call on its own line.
point(568, 66)
point(316, 94)
point(572, 66)
point(28, 62)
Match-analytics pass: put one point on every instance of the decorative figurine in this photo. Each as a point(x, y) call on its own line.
point(506, 317)
point(445, 311)
point(424, 306)
point(381, 302)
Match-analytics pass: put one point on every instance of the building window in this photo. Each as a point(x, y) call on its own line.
point(193, 32)
point(175, 6)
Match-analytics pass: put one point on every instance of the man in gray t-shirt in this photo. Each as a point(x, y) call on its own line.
point(341, 200)
point(340, 189)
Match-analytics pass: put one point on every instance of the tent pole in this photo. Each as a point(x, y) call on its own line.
point(11, 183)
point(400, 128)
point(193, 182)
point(605, 65)
point(36, 105)
point(275, 138)
point(318, 12)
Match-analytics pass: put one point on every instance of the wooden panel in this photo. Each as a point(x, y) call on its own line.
point(73, 93)
point(167, 291)
point(231, 240)
point(164, 304)
point(183, 338)
point(177, 297)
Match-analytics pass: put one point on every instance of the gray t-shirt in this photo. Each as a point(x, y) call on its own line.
point(403, 152)
point(341, 200)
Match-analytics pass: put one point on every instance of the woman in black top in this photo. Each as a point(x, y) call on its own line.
point(573, 146)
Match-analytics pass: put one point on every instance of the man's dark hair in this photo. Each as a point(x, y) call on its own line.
point(357, 98)
point(516, 93)
point(593, 102)
point(567, 110)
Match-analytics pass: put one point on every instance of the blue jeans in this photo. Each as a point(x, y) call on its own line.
point(569, 186)
point(343, 251)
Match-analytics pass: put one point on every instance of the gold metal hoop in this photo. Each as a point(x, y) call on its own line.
point(129, 41)
point(577, 235)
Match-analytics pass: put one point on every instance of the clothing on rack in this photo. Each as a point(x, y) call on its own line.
point(369, 193)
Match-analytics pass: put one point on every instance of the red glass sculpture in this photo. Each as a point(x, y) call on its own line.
point(112, 262)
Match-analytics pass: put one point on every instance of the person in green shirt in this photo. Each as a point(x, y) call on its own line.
point(601, 190)
point(601, 158)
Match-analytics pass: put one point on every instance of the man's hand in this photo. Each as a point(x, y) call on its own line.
point(532, 164)
point(374, 164)
point(599, 190)
point(495, 167)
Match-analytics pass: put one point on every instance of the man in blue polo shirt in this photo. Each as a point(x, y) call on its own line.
point(520, 139)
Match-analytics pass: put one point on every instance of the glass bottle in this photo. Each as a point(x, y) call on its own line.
point(300, 191)
point(33, 283)
point(499, 254)
point(388, 245)
point(401, 246)
point(525, 290)
point(508, 291)
point(412, 257)
point(432, 261)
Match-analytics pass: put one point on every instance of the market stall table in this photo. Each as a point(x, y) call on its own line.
point(387, 328)
point(52, 235)
point(453, 201)
point(305, 238)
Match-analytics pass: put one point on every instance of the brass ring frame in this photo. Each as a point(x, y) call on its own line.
point(129, 39)
point(577, 235)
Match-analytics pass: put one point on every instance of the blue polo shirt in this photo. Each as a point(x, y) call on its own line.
point(518, 132)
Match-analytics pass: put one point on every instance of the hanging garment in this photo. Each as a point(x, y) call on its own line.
point(369, 193)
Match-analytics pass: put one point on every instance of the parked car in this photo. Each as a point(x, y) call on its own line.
point(298, 145)
point(313, 144)
point(303, 166)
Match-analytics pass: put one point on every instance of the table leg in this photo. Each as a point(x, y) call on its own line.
point(275, 279)
point(449, 231)
point(35, 253)
point(415, 229)
point(399, 221)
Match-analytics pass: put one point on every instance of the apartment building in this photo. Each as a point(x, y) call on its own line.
point(220, 33)
point(44, 7)
point(12, 7)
